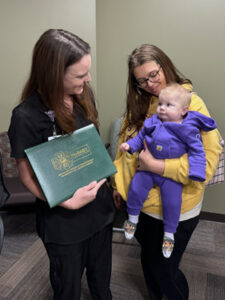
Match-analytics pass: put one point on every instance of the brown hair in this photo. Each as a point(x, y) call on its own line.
point(136, 110)
point(53, 53)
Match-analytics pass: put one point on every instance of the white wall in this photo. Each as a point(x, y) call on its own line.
point(21, 24)
point(190, 32)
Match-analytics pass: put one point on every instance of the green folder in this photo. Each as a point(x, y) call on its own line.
point(69, 162)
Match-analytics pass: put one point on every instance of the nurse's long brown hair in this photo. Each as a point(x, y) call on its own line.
point(137, 104)
point(53, 53)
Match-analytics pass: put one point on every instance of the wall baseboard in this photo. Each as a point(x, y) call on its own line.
point(212, 216)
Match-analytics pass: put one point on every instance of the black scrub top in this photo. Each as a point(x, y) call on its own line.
point(30, 126)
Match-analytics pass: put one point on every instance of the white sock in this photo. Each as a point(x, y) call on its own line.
point(167, 251)
point(129, 234)
point(133, 219)
point(169, 235)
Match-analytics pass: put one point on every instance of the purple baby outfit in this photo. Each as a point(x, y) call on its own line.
point(168, 140)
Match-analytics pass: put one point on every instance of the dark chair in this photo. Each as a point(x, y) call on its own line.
point(114, 132)
point(1, 234)
point(19, 194)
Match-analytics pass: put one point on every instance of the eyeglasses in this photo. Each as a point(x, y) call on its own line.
point(152, 77)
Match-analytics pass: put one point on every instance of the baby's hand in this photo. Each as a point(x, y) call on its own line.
point(124, 147)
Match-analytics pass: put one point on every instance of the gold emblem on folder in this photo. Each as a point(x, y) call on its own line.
point(69, 162)
point(62, 161)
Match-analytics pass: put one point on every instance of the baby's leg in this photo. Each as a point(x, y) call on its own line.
point(138, 192)
point(171, 195)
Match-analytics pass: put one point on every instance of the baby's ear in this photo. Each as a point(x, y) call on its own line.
point(185, 110)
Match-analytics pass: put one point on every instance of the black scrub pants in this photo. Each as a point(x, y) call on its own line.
point(162, 275)
point(67, 263)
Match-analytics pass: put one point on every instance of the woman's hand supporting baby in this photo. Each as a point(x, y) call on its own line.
point(147, 162)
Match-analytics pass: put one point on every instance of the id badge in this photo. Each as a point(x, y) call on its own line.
point(53, 137)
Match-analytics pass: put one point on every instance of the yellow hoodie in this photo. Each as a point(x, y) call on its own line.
point(176, 169)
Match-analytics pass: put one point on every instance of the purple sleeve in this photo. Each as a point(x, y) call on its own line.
point(196, 154)
point(137, 143)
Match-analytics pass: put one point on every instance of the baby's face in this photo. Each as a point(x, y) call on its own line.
point(170, 108)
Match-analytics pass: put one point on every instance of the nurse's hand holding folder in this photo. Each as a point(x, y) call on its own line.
point(83, 195)
point(80, 198)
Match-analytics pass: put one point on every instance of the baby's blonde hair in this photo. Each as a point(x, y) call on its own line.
point(177, 90)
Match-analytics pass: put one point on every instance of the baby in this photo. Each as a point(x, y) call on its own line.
point(170, 133)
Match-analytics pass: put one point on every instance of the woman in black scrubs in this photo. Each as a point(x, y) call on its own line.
point(57, 99)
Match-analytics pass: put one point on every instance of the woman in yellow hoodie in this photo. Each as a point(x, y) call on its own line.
point(150, 70)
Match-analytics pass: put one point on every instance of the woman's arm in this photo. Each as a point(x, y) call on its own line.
point(28, 178)
point(178, 168)
point(118, 200)
point(79, 199)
